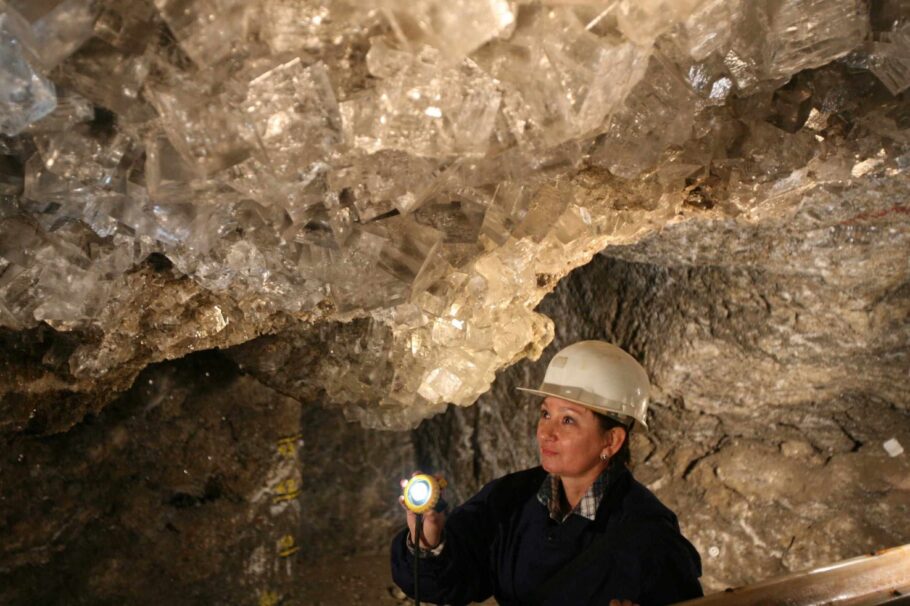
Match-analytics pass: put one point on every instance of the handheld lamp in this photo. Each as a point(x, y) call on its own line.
point(421, 493)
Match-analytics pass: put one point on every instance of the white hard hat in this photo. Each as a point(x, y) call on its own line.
point(599, 376)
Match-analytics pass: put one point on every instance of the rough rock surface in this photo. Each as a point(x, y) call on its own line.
point(187, 490)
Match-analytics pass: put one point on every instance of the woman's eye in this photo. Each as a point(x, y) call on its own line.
point(567, 420)
point(544, 414)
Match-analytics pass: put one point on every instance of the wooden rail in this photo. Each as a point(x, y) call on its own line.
point(880, 578)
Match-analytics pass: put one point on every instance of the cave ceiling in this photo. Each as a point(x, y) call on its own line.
point(364, 202)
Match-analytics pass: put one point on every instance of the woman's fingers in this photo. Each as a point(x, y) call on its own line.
point(431, 533)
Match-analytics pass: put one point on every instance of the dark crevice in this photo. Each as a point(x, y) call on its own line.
point(857, 444)
point(212, 491)
point(232, 430)
point(159, 262)
point(181, 500)
point(650, 454)
point(694, 462)
point(387, 215)
point(477, 458)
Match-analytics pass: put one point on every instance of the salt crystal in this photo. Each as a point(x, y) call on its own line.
point(438, 175)
point(111, 77)
point(643, 21)
point(210, 134)
point(889, 58)
point(403, 111)
point(71, 109)
point(809, 33)
point(561, 81)
point(658, 113)
point(709, 26)
point(26, 95)
point(893, 447)
point(455, 28)
point(208, 30)
point(294, 112)
point(61, 26)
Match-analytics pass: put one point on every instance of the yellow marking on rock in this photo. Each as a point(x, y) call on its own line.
point(288, 446)
point(287, 546)
point(286, 491)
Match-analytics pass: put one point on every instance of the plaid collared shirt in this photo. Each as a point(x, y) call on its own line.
point(548, 495)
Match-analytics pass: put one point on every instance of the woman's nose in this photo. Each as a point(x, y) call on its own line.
point(545, 430)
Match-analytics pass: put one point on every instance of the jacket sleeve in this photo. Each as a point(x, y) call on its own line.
point(671, 574)
point(461, 573)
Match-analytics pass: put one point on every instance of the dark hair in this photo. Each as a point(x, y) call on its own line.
point(624, 455)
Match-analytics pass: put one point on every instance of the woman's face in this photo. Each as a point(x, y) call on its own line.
point(570, 439)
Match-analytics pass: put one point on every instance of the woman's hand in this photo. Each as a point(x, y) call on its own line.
point(433, 523)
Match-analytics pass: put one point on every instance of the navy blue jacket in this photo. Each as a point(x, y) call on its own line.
point(503, 543)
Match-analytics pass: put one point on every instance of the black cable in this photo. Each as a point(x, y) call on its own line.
point(419, 532)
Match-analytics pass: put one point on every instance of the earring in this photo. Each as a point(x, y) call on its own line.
point(603, 457)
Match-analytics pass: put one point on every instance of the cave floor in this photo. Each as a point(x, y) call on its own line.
point(352, 580)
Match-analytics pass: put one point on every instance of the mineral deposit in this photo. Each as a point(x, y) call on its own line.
point(432, 170)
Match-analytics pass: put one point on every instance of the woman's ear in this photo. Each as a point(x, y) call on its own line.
point(615, 438)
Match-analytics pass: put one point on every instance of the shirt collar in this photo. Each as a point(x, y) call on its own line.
point(549, 491)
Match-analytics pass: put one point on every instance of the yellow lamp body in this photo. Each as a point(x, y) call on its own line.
point(421, 493)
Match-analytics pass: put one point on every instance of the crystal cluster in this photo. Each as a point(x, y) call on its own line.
point(414, 164)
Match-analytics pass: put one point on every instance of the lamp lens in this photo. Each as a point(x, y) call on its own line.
point(419, 492)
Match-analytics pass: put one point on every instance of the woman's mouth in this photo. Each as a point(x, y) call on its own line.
point(546, 452)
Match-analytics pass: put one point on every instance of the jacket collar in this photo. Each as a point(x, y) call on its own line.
point(551, 488)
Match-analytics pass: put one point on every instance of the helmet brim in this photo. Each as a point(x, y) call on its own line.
point(624, 419)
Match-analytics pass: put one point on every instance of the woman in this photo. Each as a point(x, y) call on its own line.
point(576, 530)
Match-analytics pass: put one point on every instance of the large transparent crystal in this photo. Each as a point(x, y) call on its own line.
point(295, 115)
point(709, 26)
point(71, 109)
point(110, 77)
point(209, 140)
point(59, 26)
point(455, 28)
point(889, 58)
point(208, 30)
point(423, 106)
point(78, 156)
point(660, 112)
point(809, 33)
point(643, 21)
point(384, 181)
point(26, 95)
point(560, 80)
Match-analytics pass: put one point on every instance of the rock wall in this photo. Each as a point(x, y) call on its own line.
point(197, 486)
